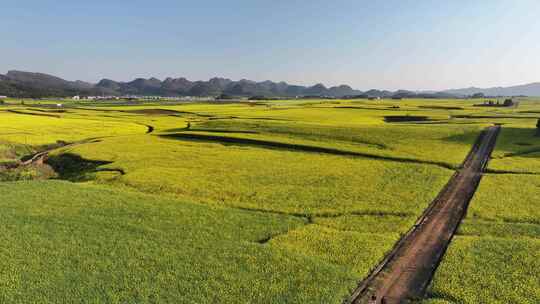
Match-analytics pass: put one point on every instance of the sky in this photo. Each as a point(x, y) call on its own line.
point(390, 44)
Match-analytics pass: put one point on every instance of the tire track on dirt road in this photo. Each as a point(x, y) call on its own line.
point(408, 269)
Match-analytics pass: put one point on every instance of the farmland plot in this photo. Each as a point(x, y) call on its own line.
point(238, 202)
point(495, 258)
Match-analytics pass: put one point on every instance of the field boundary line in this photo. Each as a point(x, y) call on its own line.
point(292, 147)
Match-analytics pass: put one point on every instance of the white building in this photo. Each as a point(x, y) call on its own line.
point(3, 97)
point(76, 97)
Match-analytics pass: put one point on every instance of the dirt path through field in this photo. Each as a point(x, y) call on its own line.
point(408, 269)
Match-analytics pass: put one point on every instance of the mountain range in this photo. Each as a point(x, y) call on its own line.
point(531, 89)
point(28, 84)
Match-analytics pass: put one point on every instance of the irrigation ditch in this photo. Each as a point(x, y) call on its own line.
point(66, 166)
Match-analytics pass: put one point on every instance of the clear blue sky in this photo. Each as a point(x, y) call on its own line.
point(389, 44)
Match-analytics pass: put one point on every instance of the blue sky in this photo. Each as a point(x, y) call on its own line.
point(367, 44)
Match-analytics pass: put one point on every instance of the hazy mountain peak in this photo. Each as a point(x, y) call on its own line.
point(530, 89)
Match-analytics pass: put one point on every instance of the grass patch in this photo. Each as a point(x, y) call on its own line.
point(496, 257)
point(510, 198)
point(266, 179)
point(67, 241)
point(368, 223)
point(358, 252)
point(489, 270)
point(518, 150)
point(499, 229)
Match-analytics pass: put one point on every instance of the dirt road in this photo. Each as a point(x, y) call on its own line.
point(408, 269)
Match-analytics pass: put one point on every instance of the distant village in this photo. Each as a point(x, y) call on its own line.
point(136, 97)
point(488, 102)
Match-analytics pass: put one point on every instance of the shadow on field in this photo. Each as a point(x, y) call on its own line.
point(374, 108)
point(522, 142)
point(439, 107)
point(405, 118)
point(34, 114)
point(258, 143)
point(466, 138)
point(480, 116)
point(508, 172)
point(150, 111)
point(74, 168)
point(49, 110)
point(153, 111)
point(211, 130)
point(530, 153)
point(248, 118)
point(149, 128)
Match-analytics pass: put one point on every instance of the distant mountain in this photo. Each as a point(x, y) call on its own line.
point(342, 90)
point(531, 89)
point(108, 85)
point(316, 90)
point(378, 93)
point(150, 86)
point(45, 81)
point(27, 84)
point(171, 85)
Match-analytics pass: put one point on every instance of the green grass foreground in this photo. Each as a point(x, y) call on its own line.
point(71, 243)
point(489, 270)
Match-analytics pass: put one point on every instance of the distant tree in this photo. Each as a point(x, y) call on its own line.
point(508, 102)
point(262, 97)
point(478, 95)
point(538, 125)
point(225, 97)
point(257, 97)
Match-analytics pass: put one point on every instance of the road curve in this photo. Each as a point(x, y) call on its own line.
point(407, 270)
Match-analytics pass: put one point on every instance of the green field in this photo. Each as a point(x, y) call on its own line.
point(268, 202)
point(496, 256)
